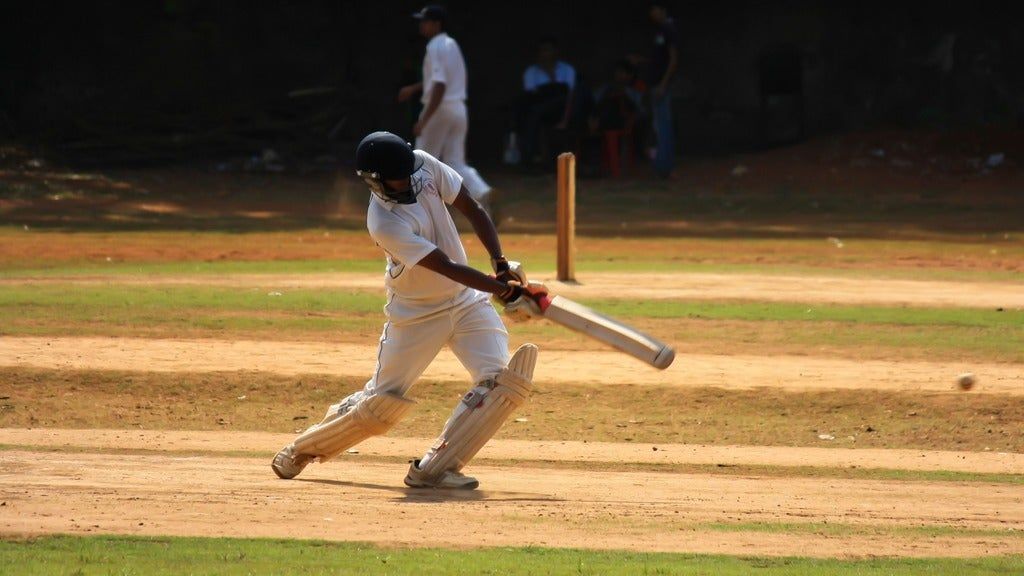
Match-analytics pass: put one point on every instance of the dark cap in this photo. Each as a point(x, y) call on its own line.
point(434, 12)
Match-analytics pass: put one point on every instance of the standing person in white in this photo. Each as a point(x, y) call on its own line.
point(433, 299)
point(443, 124)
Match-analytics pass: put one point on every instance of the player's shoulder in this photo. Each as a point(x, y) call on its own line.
point(444, 44)
point(427, 162)
point(430, 169)
point(436, 176)
point(441, 41)
point(424, 156)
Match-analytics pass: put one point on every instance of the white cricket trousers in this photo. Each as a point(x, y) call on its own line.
point(444, 137)
point(473, 331)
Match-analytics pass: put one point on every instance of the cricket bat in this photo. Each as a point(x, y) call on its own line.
point(618, 335)
point(589, 322)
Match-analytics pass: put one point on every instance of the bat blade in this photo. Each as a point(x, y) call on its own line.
point(616, 334)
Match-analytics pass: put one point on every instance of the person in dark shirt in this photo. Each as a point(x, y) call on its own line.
point(547, 99)
point(663, 64)
point(618, 103)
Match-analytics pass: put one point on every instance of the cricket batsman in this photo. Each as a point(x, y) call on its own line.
point(433, 299)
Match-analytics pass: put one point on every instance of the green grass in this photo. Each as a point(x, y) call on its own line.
point(789, 312)
point(91, 298)
point(174, 555)
point(140, 310)
point(115, 269)
point(708, 326)
point(584, 265)
point(955, 332)
point(79, 301)
point(839, 529)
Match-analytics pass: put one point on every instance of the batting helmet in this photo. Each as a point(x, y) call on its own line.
point(384, 156)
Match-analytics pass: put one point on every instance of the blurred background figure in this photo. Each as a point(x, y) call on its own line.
point(443, 123)
point(617, 117)
point(661, 73)
point(549, 86)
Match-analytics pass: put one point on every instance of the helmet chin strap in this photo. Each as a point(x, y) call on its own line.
point(380, 189)
point(407, 196)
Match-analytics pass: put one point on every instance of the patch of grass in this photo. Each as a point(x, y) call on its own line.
point(188, 311)
point(113, 296)
point(616, 413)
point(91, 299)
point(788, 312)
point(838, 529)
point(584, 265)
point(168, 555)
point(199, 268)
point(51, 253)
point(356, 316)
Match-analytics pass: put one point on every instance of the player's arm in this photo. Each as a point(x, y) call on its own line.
point(397, 238)
point(436, 96)
point(485, 231)
point(481, 221)
point(409, 91)
point(438, 261)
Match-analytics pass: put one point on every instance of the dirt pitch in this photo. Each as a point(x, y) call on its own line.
point(564, 494)
point(590, 367)
point(216, 495)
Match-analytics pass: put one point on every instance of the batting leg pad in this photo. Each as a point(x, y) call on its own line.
point(372, 416)
point(485, 408)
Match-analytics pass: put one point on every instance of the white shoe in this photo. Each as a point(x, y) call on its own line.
point(450, 480)
point(287, 464)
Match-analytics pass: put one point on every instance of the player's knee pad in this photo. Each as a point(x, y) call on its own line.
point(371, 416)
point(487, 406)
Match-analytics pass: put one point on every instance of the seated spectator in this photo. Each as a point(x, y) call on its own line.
point(619, 103)
point(616, 120)
point(547, 98)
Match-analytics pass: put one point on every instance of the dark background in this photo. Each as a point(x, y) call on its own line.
point(155, 81)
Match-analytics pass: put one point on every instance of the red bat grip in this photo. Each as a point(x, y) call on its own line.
point(544, 300)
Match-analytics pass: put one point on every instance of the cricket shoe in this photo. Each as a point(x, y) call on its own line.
point(287, 464)
point(450, 480)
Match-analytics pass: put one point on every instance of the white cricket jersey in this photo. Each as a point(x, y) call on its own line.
point(443, 63)
point(408, 232)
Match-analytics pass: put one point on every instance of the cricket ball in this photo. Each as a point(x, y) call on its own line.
point(966, 381)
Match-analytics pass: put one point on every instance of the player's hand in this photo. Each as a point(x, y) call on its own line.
point(502, 271)
point(406, 93)
point(509, 271)
point(513, 291)
point(417, 128)
point(522, 302)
